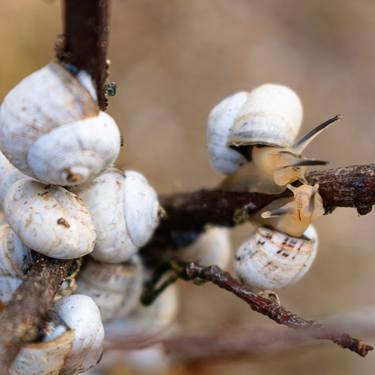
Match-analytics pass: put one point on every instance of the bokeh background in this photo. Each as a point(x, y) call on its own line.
point(172, 61)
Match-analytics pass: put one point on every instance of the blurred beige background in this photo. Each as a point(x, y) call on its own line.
point(172, 61)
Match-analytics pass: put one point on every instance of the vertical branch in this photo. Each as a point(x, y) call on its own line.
point(86, 32)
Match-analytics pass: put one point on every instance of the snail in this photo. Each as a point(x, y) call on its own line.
point(272, 260)
point(273, 167)
point(48, 219)
point(271, 114)
point(15, 258)
point(293, 215)
point(51, 128)
point(125, 211)
point(212, 248)
point(115, 288)
point(144, 322)
point(71, 341)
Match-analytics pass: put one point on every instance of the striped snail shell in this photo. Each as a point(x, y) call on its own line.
point(115, 288)
point(272, 260)
point(51, 128)
point(125, 211)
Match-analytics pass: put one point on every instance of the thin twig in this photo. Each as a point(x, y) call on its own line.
point(193, 271)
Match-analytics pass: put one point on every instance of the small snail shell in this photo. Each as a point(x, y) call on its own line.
point(48, 219)
point(212, 248)
point(293, 215)
point(115, 288)
point(51, 129)
point(125, 211)
point(47, 355)
point(271, 260)
point(81, 315)
point(148, 320)
point(272, 115)
point(15, 257)
point(220, 121)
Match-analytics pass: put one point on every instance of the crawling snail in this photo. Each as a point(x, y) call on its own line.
point(71, 341)
point(51, 128)
point(115, 288)
point(49, 219)
point(125, 210)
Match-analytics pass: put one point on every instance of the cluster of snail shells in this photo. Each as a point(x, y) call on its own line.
point(61, 197)
point(252, 139)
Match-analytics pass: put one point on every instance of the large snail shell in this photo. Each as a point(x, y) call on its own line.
point(43, 358)
point(81, 314)
point(273, 260)
point(49, 219)
point(15, 257)
point(220, 121)
point(125, 211)
point(30, 136)
point(115, 288)
point(212, 248)
point(272, 115)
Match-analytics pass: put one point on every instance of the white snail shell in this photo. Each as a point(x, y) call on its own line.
point(81, 315)
point(220, 121)
point(49, 219)
point(125, 210)
point(151, 320)
point(212, 248)
point(43, 358)
point(271, 260)
point(272, 115)
point(115, 288)
point(51, 129)
point(15, 257)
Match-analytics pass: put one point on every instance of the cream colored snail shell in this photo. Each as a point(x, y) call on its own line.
point(115, 288)
point(51, 129)
point(220, 121)
point(15, 258)
point(272, 260)
point(272, 115)
point(212, 248)
point(125, 210)
point(81, 314)
point(48, 219)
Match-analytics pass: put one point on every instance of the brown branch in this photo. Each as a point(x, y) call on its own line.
point(85, 40)
point(193, 271)
point(30, 303)
point(186, 213)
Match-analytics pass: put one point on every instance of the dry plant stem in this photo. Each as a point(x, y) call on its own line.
point(85, 40)
point(30, 304)
point(352, 186)
point(193, 271)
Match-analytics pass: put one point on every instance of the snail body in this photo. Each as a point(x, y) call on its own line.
point(272, 260)
point(51, 129)
point(115, 288)
point(49, 219)
point(125, 211)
